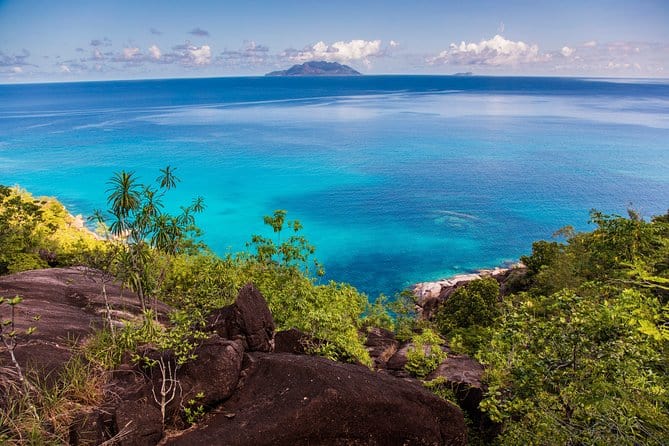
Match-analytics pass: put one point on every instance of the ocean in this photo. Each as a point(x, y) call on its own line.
point(396, 179)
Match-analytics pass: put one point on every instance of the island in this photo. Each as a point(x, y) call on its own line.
point(317, 68)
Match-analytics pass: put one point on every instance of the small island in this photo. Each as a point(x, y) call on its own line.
point(317, 68)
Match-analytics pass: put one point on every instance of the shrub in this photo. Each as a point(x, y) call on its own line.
point(472, 304)
point(24, 261)
point(572, 368)
point(425, 355)
point(331, 313)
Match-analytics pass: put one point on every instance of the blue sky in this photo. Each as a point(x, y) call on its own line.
point(66, 40)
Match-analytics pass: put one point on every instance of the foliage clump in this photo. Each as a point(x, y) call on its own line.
point(425, 353)
point(473, 304)
point(466, 316)
point(580, 357)
point(38, 233)
point(332, 313)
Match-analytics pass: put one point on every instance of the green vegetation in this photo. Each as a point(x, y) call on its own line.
point(468, 313)
point(146, 231)
point(38, 233)
point(576, 355)
point(42, 412)
point(157, 255)
point(425, 354)
point(580, 356)
point(331, 313)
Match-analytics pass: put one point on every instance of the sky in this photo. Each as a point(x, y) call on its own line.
point(75, 40)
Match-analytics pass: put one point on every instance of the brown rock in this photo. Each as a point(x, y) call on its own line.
point(256, 319)
point(464, 376)
point(70, 307)
point(88, 428)
point(138, 423)
point(291, 341)
point(301, 400)
point(399, 359)
point(248, 320)
point(215, 371)
point(381, 345)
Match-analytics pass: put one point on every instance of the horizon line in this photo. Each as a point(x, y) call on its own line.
point(251, 76)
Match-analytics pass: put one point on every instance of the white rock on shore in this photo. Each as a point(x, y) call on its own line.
point(431, 290)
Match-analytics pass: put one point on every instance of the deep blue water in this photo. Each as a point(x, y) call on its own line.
point(396, 179)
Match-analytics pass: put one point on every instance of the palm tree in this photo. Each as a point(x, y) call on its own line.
point(167, 180)
point(123, 198)
point(145, 229)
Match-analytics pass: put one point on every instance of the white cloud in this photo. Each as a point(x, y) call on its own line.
point(566, 51)
point(17, 70)
point(252, 54)
point(154, 51)
point(495, 51)
point(252, 46)
point(9, 60)
point(340, 51)
point(394, 44)
point(622, 58)
point(617, 65)
point(65, 69)
point(129, 53)
point(200, 55)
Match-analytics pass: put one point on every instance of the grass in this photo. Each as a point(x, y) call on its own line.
point(39, 412)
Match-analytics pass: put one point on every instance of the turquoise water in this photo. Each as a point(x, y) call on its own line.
point(397, 179)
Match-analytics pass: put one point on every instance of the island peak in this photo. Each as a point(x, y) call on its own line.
point(317, 68)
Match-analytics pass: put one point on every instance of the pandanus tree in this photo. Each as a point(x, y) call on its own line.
point(138, 219)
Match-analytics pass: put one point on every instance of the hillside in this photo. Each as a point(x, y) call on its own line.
point(569, 349)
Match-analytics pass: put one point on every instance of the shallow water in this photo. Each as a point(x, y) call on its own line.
point(396, 179)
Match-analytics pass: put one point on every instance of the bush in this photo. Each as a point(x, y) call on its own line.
point(577, 369)
point(24, 261)
point(425, 355)
point(38, 233)
point(331, 313)
point(470, 305)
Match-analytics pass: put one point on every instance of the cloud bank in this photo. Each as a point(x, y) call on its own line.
point(497, 51)
point(353, 50)
point(16, 60)
point(499, 54)
point(496, 55)
point(251, 55)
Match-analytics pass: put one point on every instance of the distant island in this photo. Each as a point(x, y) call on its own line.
point(317, 68)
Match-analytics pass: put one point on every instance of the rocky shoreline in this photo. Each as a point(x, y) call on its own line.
point(429, 295)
